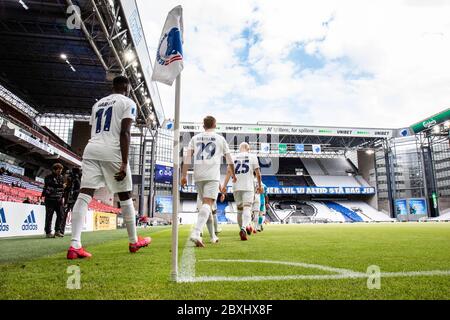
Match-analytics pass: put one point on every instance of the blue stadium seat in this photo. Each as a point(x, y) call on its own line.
point(349, 215)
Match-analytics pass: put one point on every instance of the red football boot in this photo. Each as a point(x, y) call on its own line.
point(243, 235)
point(73, 253)
point(142, 242)
point(249, 230)
point(198, 242)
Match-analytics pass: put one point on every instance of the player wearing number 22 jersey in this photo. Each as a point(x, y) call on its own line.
point(207, 149)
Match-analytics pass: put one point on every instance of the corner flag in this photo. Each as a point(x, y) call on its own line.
point(168, 67)
point(169, 56)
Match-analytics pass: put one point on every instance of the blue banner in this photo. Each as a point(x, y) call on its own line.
point(163, 204)
point(418, 206)
point(163, 174)
point(299, 148)
point(401, 206)
point(304, 190)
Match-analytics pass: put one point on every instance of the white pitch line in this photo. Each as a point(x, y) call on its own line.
point(187, 264)
point(342, 273)
point(320, 277)
point(289, 263)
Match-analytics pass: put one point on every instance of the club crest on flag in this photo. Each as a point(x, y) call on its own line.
point(170, 48)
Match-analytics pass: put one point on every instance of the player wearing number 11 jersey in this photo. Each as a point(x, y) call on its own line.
point(105, 163)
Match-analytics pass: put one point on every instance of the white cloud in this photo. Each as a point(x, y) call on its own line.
point(400, 47)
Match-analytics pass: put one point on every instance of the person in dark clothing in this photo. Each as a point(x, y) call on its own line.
point(53, 192)
point(27, 200)
point(71, 191)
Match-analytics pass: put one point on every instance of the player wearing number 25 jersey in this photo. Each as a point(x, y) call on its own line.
point(207, 149)
point(246, 166)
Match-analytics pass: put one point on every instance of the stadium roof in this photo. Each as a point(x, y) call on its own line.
point(60, 64)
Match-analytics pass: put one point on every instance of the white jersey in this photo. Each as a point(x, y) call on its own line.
point(106, 121)
point(209, 148)
point(245, 165)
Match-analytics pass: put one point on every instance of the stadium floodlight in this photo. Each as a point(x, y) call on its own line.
point(135, 64)
point(139, 75)
point(64, 57)
point(147, 100)
point(152, 116)
point(436, 129)
point(24, 5)
point(370, 151)
point(129, 56)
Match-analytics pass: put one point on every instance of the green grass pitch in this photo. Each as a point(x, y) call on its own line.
point(36, 268)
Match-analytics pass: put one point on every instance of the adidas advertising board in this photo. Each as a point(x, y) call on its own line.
point(21, 219)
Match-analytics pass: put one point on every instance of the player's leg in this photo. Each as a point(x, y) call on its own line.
point(239, 215)
point(211, 229)
point(79, 212)
point(255, 209)
point(91, 180)
point(208, 191)
point(216, 223)
point(261, 217)
point(123, 189)
point(247, 201)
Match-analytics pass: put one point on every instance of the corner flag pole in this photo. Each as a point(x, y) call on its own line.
point(176, 180)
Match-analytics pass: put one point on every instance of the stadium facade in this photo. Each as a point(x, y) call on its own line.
point(342, 174)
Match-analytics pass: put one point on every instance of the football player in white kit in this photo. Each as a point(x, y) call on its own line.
point(246, 165)
point(207, 148)
point(105, 163)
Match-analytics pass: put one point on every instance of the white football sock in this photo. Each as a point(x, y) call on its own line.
point(216, 226)
point(246, 217)
point(78, 213)
point(210, 226)
point(203, 214)
point(239, 218)
point(129, 217)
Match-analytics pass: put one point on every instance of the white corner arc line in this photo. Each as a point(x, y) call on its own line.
point(342, 273)
point(289, 263)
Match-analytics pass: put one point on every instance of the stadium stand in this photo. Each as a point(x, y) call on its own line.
point(323, 213)
point(336, 172)
point(349, 215)
point(365, 211)
point(11, 193)
point(293, 211)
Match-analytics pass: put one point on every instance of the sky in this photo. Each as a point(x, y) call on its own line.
point(355, 63)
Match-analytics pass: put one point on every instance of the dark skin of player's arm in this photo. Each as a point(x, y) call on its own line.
point(125, 136)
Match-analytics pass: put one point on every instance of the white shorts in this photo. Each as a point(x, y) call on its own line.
point(97, 174)
point(243, 197)
point(207, 189)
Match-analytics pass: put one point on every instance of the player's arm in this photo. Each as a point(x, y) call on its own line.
point(223, 188)
point(230, 164)
point(186, 164)
point(125, 137)
point(258, 177)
